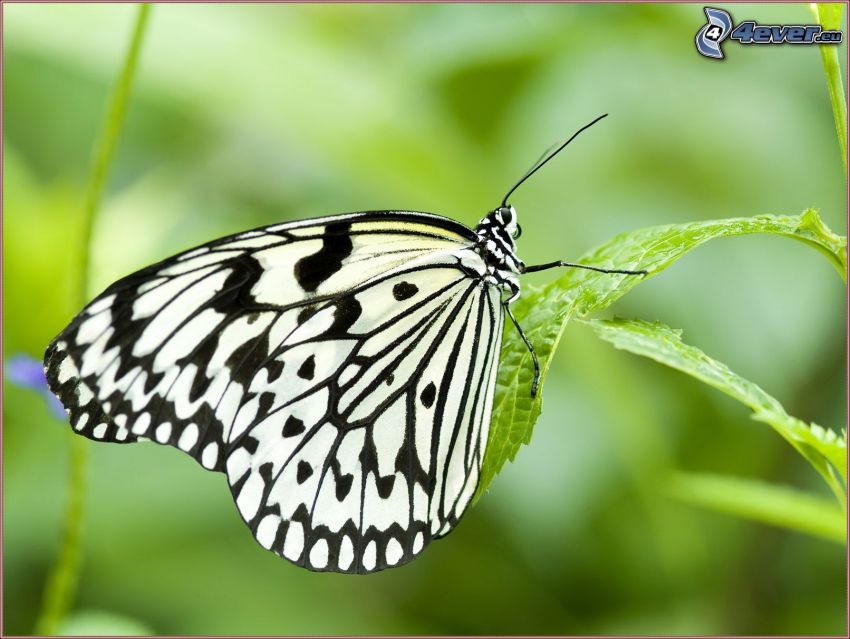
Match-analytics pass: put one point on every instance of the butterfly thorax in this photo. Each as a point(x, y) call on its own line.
point(495, 244)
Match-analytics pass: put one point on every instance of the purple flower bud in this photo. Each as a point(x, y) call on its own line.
point(27, 372)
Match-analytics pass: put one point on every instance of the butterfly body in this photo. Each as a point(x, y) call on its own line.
point(495, 244)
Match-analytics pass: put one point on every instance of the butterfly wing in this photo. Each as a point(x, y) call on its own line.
point(340, 371)
point(372, 446)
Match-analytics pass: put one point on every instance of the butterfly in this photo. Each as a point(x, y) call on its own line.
point(339, 371)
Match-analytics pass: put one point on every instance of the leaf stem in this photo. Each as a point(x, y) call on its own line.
point(829, 16)
point(62, 582)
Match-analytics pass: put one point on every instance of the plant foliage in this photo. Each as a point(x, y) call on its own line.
point(545, 311)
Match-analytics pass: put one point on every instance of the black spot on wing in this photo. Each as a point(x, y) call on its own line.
point(267, 474)
point(428, 395)
point(303, 472)
point(275, 369)
point(293, 427)
point(347, 311)
point(404, 290)
point(308, 368)
point(264, 405)
point(342, 481)
point(314, 269)
point(343, 486)
point(385, 486)
point(250, 444)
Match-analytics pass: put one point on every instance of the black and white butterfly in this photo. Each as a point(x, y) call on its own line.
point(340, 372)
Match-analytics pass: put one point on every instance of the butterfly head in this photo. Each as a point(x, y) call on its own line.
point(506, 217)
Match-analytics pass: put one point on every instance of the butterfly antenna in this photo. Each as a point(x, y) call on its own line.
point(548, 155)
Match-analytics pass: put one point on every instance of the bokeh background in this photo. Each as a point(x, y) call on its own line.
point(249, 115)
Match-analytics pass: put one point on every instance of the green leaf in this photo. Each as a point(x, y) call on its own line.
point(543, 312)
point(781, 506)
point(823, 448)
point(829, 17)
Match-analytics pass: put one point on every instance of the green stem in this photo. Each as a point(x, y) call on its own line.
point(61, 587)
point(759, 501)
point(104, 149)
point(829, 16)
point(62, 582)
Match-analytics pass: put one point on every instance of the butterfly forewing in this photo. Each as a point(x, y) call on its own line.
point(339, 371)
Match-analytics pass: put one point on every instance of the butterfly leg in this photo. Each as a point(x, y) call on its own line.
point(542, 267)
point(559, 263)
point(536, 380)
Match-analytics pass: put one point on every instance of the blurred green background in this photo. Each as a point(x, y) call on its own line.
point(254, 114)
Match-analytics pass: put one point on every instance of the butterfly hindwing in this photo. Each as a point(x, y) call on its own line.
point(340, 371)
point(361, 468)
